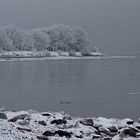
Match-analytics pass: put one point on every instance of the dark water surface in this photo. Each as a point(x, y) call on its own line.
point(78, 87)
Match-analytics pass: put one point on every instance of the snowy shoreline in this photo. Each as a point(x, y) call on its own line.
point(33, 125)
point(31, 56)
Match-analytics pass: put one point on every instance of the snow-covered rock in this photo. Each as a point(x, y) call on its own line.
point(78, 54)
point(14, 116)
point(3, 115)
point(96, 54)
point(32, 125)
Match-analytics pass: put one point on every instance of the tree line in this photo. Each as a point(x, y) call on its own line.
point(53, 38)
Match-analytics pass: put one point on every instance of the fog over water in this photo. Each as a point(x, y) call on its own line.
point(113, 25)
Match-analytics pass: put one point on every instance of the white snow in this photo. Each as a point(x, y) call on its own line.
point(32, 126)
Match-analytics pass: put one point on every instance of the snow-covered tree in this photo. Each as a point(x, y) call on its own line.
point(41, 40)
point(21, 39)
point(54, 38)
point(61, 36)
point(5, 43)
point(82, 40)
point(95, 49)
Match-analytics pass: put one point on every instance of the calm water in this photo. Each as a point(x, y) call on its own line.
point(91, 87)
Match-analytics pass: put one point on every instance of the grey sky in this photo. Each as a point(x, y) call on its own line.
point(113, 25)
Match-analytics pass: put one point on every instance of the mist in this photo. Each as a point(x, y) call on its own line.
point(113, 26)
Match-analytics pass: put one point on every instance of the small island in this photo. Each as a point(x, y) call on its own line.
point(56, 42)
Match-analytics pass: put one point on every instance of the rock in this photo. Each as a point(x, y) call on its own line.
point(24, 129)
point(18, 115)
point(137, 125)
point(42, 138)
point(3, 115)
point(113, 128)
point(48, 133)
point(104, 130)
point(88, 122)
point(108, 123)
point(128, 121)
point(112, 134)
point(96, 136)
point(63, 133)
point(138, 134)
point(134, 128)
point(59, 121)
point(23, 122)
point(119, 137)
point(46, 114)
point(129, 132)
point(79, 136)
point(139, 120)
point(107, 138)
point(42, 123)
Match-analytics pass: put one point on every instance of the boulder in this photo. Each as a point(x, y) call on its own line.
point(134, 128)
point(42, 123)
point(23, 122)
point(88, 122)
point(107, 138)
point(3, 115)
point(46, 114)
point(59, 121)
point(48, 133)
point(96, 136)
point(42, 138)
point(62, 133)
point(137, 125)
point(24, 129)
point(113, 128)
point(104, 130)
point(129, 132)
point(128, 121)
point(14, 116)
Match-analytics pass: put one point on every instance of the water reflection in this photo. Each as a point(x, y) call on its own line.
point(78, 87)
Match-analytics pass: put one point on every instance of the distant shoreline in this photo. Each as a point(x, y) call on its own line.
point(63, 58)
point(31, 56)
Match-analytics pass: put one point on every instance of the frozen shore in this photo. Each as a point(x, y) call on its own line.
point(33, 125)
point(30, 56)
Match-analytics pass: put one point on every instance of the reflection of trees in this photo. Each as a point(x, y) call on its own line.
point(63, 72)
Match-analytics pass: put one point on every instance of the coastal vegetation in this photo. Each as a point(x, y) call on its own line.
point(56, 38)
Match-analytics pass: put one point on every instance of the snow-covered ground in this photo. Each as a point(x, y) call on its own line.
point(33, 125)
point(31, 55)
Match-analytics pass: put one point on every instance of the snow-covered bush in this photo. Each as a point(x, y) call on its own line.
point(21, 39)
point(41, 40)
point(85, 51)
point(82, 40)
point(5, 43)
point(72, 53)
point(61, 36)
point(95, 49)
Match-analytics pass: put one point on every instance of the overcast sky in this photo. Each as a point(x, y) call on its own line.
point(113, 25)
